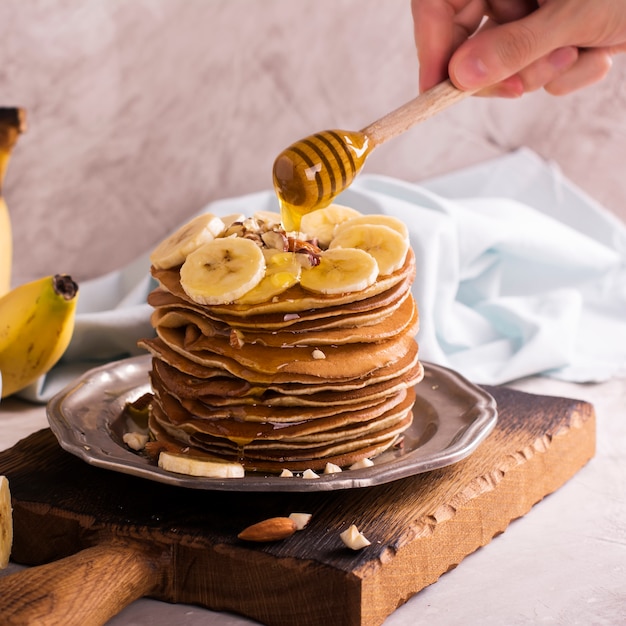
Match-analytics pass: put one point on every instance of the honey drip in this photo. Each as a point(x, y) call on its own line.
point(310, 173)
point(313, 171)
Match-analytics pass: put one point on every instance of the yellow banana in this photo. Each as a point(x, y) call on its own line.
point(12, 123)
point(36, 325)
point(6, 522)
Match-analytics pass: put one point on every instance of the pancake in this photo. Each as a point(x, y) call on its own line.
point(351, 314)
point(293, 377)
point(341, 362)
point(403, 318)
point(278, 382)
point(295, 299)
point(343, 446)
point(163, 441)
point(219, 391)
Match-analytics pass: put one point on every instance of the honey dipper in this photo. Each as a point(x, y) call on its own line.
point(310, 173)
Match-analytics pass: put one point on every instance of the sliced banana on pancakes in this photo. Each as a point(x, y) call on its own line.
point(220, 268)
point(282, 271)
point(173, 250)
point(322, 223)
point(271, 218)
point(223, 270)
point(386, 245)
point(279, 353)
point(341, 270)
point(373, 219)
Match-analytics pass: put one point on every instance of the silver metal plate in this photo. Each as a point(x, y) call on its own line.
point(451, 417)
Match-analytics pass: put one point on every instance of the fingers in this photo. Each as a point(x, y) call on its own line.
point(592, 66)
point(537, 75)
point(439, 29)
point(525, 45)
point(495, 54)
point(539, 49)
point(560, 72)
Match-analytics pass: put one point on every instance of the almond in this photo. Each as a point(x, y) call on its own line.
point(272, 529)
point(236, 339)
point(354, 539)
point(301, 520)
point(361, 464)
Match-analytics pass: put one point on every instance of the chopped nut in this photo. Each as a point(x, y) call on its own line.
point(275, 239)
point(361, 464)
point(312, 252)
point(235, 229)
point(290, 317)
point(331, 468)
point(306, 260)
point(135, 441)
point(254, 237)
point(286, 473)
point(309, 474)
point(236, 338)
point(251, 225)
point(317, 354)
point(300, 519)
point(272, 529)
point(354, 539)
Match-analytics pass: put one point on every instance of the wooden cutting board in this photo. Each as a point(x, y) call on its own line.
point(120, 538)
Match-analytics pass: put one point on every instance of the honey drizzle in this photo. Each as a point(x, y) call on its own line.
point(312, 172)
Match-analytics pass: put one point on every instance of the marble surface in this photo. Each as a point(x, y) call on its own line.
point(562, 563)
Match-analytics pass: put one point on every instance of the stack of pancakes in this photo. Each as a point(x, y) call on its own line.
point(296, 382)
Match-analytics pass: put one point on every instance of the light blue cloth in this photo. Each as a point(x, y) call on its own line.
point(518, 273)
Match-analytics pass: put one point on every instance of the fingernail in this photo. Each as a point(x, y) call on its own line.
point(470, 72)
point(562, 58)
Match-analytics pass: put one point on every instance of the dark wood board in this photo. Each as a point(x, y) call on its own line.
point(149, 539)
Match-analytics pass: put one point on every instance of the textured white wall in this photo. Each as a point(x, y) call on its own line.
point(142, 111)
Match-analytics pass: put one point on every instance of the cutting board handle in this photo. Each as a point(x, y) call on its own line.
point(85, 589)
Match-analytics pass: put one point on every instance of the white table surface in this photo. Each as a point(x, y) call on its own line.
point(564, 563)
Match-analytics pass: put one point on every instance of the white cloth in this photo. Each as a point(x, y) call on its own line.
point(518, 273)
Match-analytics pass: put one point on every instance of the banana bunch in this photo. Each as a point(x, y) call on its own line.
point(12, 123)
point(252, 260)
point(36, 325)
point(37, 318)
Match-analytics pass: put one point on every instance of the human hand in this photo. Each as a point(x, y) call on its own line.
point(509, 47)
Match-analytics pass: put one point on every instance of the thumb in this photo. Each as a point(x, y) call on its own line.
point(500, 51)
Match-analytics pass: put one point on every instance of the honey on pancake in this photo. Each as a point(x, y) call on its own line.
point(241, 380)
point(310, 173)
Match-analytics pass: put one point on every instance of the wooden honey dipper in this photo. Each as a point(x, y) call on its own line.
point(310, 173)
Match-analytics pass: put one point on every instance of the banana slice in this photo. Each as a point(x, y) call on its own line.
point(6, 522)
point(223, 270)
point(269, 218)
point(173, 250)
point(341, 270)
point(387, 246)
point(231, 218)
point(196, 466)
point(322, 223)
point(378, 218)
point(282, 271)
